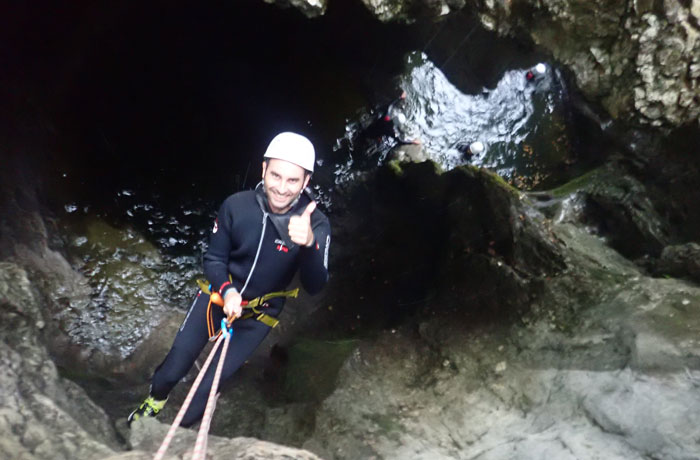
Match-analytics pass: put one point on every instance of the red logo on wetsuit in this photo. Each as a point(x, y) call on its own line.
point(281, 246)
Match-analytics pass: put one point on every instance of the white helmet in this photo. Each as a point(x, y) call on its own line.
point(293, 148)
point(476, 147)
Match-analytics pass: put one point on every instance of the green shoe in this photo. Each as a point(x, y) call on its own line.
point(149, 408)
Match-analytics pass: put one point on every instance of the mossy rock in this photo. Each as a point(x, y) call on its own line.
point(621, 208)
point(580, 183)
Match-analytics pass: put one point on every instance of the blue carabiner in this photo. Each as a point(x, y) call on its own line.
point(225, 329)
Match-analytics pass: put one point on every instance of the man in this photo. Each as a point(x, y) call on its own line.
point(539, 71)
point(260, 239)
point(476, 148)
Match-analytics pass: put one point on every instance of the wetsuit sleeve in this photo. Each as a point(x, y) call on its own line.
point(217, 256)
point(313, 267)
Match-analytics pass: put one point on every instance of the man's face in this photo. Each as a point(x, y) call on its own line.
point(283, 182)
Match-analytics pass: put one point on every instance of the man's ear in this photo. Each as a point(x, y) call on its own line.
point(264, 164)
point(306, 180)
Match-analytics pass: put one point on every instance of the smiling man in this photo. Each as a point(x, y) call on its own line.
point(259, 241)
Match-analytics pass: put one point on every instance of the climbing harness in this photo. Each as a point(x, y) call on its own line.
point(223, 335)
point(200, 447)
point(253, 304)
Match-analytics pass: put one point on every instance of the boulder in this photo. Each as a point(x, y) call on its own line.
point(43, 416)
point(147, 434)
point(616, 205)
point(682, 260)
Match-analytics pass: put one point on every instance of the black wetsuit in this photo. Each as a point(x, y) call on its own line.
point(235, 241)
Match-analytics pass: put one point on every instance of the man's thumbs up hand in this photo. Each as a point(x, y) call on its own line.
point(300, 227)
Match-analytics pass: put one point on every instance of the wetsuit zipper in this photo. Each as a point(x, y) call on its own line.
point(257, 253)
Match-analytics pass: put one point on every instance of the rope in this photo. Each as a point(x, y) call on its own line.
point(200, 446)
point(185, 405)
point(464, 40)
point(439, 29)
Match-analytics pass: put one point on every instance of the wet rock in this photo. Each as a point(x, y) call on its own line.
point(122, 270)
point(31, 241)
point(408, 153)
point(671, 175)
point(407, 10)
point(88, 315)
point(147, 434)
point(310, 8)
point(627, 217)
point(452, 237)
point(681, 260)
point(98, 284)
point(103, 305)
point(618, 206)
point(645, 71)
point(602, 345)
point(43, 415)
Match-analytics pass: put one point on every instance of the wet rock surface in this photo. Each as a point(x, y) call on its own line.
point(639, 59)
point(472, 321)
point(681, 261)
point(429, 238)
point(42, 416)
point(616, 205)
point(101, 299)
point(408, 10)
point(145, 437)
point(129, 282)
point(45, 416)
point(601, 344)
point(310, 8)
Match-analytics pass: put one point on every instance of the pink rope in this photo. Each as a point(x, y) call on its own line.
point(176, 423)
point(200, 446)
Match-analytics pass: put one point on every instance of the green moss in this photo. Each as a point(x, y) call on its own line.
point(497, 181)
point(395, 167)
point(436, 167)
point(576, 184)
